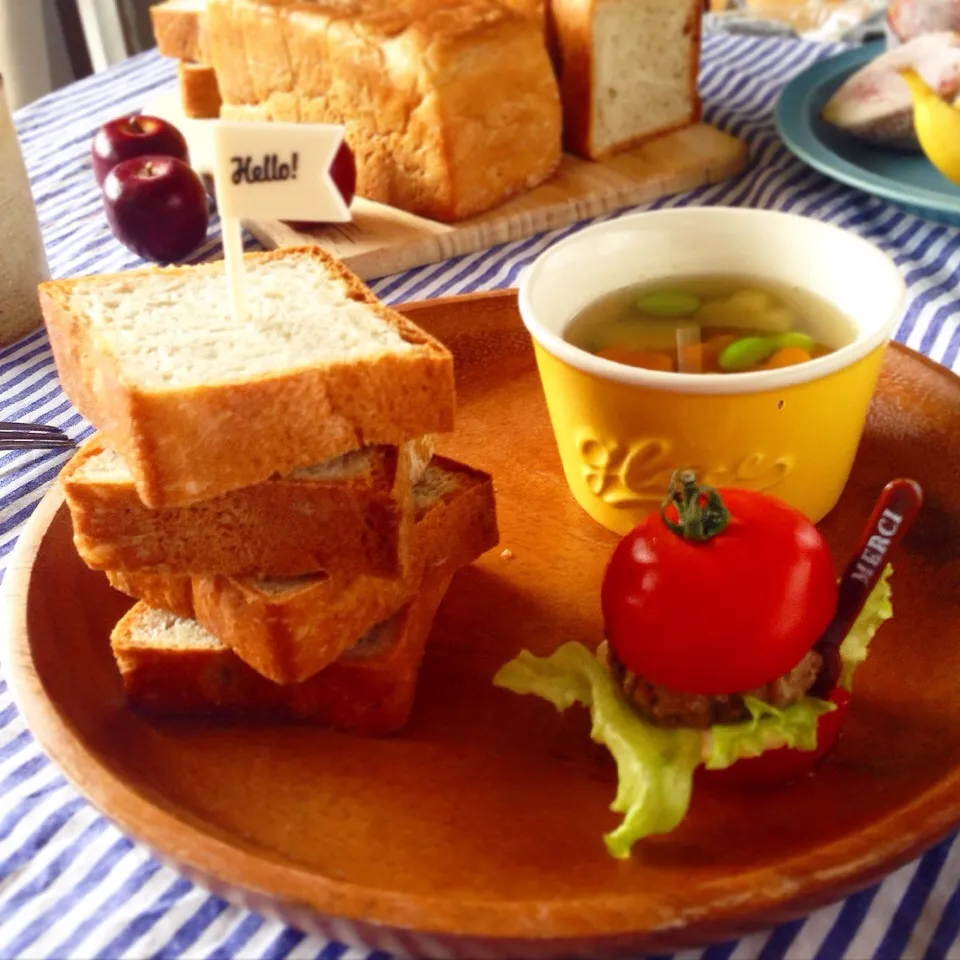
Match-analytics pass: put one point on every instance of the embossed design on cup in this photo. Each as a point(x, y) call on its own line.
point(635, 474)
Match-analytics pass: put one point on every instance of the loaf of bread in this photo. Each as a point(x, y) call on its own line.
point(628, 71)
point(179, 26)
point(289, 629)
point(536, 10)
point(198, 403)
point(450, 108)
point(199, 91)
point(353, 513)
point(173, 666)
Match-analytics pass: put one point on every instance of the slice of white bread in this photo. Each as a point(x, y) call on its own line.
point(353, 513)
point(173, 666)
point(450, 107)
point(289, 629)
point(198, 403)
point(628, 70)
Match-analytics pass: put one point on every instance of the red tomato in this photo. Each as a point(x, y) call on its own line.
point(784, 766)
point(726, 613)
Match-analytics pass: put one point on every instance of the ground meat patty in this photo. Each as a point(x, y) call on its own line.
point(669, 708)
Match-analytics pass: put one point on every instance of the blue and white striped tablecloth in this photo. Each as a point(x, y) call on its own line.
point(70, 884)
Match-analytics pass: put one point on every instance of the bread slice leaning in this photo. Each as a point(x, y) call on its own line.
point(628, 70)
point(198, 403)
point(199, 91)
point(289, 629)
point(353, 513)
point(171, 665)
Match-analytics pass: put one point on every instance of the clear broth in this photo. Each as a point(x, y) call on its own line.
point(793, 324)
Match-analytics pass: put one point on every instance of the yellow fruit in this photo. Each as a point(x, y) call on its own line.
point(937, 124)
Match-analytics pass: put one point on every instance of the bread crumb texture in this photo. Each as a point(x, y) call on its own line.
point(175, 330)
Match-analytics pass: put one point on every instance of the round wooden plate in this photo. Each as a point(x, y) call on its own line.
point(477, 831)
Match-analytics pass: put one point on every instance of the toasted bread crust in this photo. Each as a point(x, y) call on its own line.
point(370, 696)
point(289, 633)
point(284, 527)
point(188, 445)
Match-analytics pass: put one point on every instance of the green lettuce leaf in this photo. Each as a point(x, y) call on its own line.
point(655, 766)
point(877, 610)
point(768, 728)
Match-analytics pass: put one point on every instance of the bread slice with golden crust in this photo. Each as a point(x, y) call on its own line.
point(289, 629)
point(198, 402)
point(199, 92)
point(171, 665)
point(352, 513)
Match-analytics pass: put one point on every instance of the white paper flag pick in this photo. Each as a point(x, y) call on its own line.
point(275, 171)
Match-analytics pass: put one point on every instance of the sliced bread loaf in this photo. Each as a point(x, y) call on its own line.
point(198, 403)
point(627, 69)
point(353, 514)
point(171, 665)
point(288, 629)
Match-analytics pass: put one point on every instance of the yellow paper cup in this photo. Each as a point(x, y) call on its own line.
point(793, 432)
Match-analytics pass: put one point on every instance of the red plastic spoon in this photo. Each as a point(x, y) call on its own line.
point(896, 509)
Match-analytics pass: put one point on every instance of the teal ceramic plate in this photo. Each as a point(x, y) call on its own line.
point(907, 180)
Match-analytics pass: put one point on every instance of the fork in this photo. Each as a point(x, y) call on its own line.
point(32, 436)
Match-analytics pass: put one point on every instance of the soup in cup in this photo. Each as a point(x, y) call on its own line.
point(790, 429)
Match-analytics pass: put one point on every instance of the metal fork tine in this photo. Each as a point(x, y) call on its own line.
point(6, 435)
point(30, 428)
point(32, 436)
point(27, 431)
point(49, 444)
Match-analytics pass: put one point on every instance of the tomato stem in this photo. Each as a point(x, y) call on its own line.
point(701, 513)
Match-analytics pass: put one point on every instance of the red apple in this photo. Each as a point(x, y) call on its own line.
point(134, 136)
point(157, 207)
point(343, 171)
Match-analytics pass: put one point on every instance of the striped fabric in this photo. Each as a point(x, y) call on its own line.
point(70, 884)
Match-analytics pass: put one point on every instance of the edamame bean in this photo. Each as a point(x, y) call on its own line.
point(795, 339)
point(746, 352)
point(668, 303)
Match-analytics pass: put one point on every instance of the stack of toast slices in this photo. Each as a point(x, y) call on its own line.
point(265, 486)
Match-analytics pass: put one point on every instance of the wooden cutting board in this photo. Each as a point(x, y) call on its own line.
point(382, 240)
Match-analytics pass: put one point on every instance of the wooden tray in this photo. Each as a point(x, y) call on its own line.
point(382, 240)
point(477, 831)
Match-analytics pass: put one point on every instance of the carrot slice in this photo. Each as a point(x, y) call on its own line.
point(712, 348)
point(787, 357)
point(647, 359)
